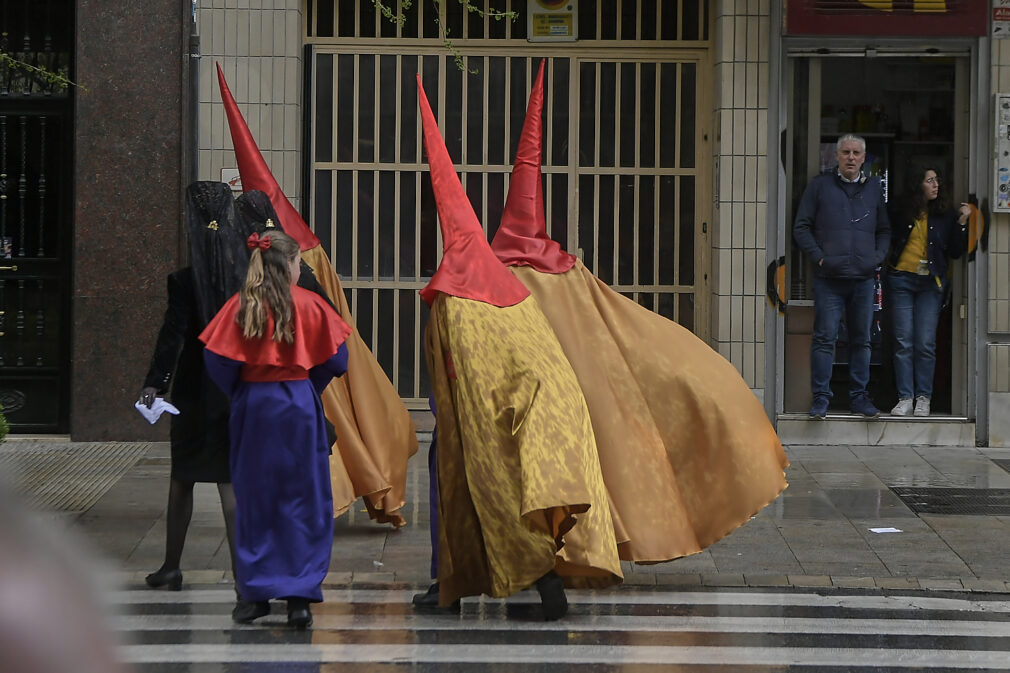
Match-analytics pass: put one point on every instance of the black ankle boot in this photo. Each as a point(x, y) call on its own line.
point(247, 611)
point(299, 615)
point(171, 579)
point(428, 601)
point(552, 596)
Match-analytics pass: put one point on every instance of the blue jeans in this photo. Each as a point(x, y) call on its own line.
point(915, 303)
point(833, 298)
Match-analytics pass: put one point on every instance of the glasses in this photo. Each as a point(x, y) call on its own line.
point(932, 181)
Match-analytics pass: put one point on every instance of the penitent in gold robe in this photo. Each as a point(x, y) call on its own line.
point(686, 449)
point(520, 488)
point(375, 435)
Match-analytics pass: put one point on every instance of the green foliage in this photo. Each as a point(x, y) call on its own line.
point(4, 427)
point(399, 17)
point(58, 80)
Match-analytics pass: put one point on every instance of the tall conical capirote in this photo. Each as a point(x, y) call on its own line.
point(468, 268)
point(255, 173)
point(521, 239)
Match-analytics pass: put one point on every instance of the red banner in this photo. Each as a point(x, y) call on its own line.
point(933, 18)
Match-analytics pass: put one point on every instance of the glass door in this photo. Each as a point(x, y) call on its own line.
point(910, 110)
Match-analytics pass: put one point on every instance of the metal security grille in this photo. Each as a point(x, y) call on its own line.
point(660, 20)
point(36, 170)
point(625, 170)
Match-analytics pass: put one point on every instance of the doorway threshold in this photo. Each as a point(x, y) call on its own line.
point(842, 428)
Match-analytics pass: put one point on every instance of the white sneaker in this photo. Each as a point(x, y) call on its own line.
point(921, 406)
point(903, 407)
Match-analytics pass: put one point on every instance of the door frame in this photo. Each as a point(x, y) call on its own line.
point(969, 85)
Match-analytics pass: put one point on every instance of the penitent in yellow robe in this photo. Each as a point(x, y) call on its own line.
point(520, 487)
point(686, 449)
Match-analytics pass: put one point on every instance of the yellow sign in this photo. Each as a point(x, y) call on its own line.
point(552, 21)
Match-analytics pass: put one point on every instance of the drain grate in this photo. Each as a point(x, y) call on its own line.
point(970, 501)
point(66, 476)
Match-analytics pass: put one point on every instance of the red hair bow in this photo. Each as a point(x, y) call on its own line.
point(254, 241)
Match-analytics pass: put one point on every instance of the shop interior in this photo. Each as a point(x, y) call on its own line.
point(908, 109)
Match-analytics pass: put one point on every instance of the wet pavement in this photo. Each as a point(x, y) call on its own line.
point(805, 585)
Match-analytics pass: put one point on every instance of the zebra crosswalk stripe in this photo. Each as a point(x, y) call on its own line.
point(614, 628)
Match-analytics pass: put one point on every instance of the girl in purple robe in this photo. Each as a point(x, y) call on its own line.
point(272, 349)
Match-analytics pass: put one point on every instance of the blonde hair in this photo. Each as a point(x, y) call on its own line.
point(267, 290)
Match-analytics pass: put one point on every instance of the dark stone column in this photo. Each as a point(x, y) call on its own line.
point(129, 185)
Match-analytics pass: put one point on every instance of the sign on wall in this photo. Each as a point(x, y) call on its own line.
point(931, 18)
point(1001, 18)
point(552, 20)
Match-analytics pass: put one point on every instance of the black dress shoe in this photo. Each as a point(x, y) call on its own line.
point(428, 601)
point(247, 611)
point(552, 596)
point(299, 615)
point(171, 579)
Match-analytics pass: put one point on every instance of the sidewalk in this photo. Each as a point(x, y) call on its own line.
point(817, 534)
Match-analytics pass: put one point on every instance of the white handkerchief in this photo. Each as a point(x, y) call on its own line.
point(158, 407)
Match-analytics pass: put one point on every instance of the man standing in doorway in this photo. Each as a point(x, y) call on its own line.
point(841, 224)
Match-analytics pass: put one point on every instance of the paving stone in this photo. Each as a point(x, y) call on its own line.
point(371, 578)
point(766, 580)
point(644, 579)
point(723, 580)
point(810, 580)
point(853, 582)
point(672, 579)
point(803, 536)
point(984, 585)
point(340, 578)
point(202, 576)
point(896, 582)
point(941, 584)
point(413, 577)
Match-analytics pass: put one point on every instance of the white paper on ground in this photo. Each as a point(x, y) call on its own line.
point(885, 530)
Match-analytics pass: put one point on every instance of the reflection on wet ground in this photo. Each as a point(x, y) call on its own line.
point(625, 629)
point(812, 548)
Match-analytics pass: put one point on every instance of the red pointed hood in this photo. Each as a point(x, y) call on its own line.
point(522, 238)
point(468, 268)
point(256, 175)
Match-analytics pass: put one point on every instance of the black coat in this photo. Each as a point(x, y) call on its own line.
point(199, 434)
point(947, 239)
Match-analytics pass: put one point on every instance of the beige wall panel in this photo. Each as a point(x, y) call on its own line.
point(740, 106)
point(258, 44)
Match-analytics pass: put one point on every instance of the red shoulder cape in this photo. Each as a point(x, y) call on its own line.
point(319, 331)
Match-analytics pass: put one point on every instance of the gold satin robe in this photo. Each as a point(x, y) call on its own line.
point(520, 488)
point(686, 449)
point(375, 435)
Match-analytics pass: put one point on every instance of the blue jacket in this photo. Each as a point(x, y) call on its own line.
point(947, 240)
point(845, 224)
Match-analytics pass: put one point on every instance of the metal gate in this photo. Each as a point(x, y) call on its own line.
point(626, 174)
point(36, 164)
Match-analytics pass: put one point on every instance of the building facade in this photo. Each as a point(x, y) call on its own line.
point(678, 137)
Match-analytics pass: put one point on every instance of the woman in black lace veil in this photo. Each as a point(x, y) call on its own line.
point(199, 434)
point(257, 214)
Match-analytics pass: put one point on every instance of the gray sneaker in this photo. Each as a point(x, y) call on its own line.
point(921, 406)
point(903, 407)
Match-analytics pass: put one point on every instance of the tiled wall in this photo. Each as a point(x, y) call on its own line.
point(999, 288)
point(999, 368)
point(738, 257)
point(999, 227)
point(259, 46)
